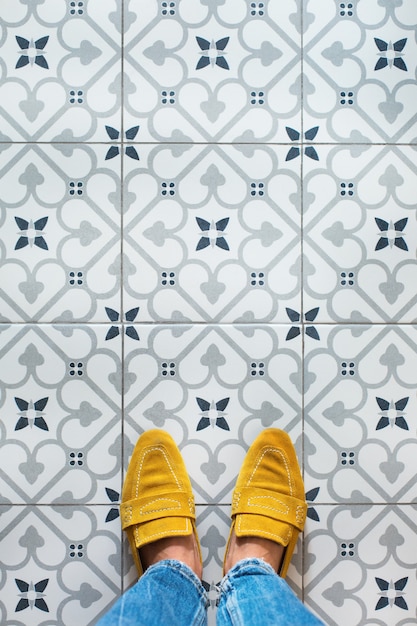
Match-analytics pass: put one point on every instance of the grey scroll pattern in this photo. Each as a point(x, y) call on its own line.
point(207, 215)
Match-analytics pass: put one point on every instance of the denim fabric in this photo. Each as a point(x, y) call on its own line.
point(253, 595)
point(170, 594)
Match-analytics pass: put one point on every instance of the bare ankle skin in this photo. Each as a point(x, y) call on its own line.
point(253, 547)
point(182, 549)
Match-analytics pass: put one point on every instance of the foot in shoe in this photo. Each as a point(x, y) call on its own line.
point(253, 548)
point(182, 549)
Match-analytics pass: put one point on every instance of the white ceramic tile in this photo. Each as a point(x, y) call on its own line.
point(359, 406)
point(61, 77)
point(360, 239)
point(292, 137)
point(58, 563)
point(60, 414)
point(60, 225)
point(196, 72)
point(359, 64)
point(214, 388)
point(360, 565)
point(212, 233)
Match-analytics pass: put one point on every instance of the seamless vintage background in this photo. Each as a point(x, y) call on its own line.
point(208, 225)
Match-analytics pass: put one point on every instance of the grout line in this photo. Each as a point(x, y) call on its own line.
point(212, 324)
point(82, 323)
point(301, 287)
point(122, 365)
point(301, 142)
point(202, 504)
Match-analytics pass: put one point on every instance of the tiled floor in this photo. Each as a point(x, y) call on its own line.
point(208, 225)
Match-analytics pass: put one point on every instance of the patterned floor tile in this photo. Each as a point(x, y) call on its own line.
point(359, 237)
point(60, 222)
point(359, 405)
point(359, 64)
point(61, 78)
point(60, 564)
point(214, 388)
point(213, 72)
point(360, 565)
point(207, 223)
point(212, 233)
point(60, 407)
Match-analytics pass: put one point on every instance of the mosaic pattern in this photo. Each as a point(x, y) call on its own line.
point(61, 233)
point(357, 558)
point(215, 231)
point(208, 225)
point(59, 563)
point(213, 388)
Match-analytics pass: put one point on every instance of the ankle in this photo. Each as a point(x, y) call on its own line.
point(255, 548)
point(183, 549)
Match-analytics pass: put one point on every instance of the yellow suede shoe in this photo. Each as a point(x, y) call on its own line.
point(269, 500)
point(157, 497)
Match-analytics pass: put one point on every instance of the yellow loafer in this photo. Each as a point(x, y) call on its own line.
point(157, 497)
point(269, 500)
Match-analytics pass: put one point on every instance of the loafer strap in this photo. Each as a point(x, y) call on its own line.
point(277, 506)
point(140, 510)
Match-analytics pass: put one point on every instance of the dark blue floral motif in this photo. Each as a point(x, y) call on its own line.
point(310, 497)
point(129, 317)
point(310, 316)
point(212, 53)
point(391, 234)
point(309, 151)
point(113, 497)
point(216, 420)
point(211, 233)
point(390, 54)
point(31, 233)
point(388, 589)
point(31, 413)
point(130, 151)
point(31, 595)
point(33, 52)
point(389, 420)
point(76, 8)
point(213, 589)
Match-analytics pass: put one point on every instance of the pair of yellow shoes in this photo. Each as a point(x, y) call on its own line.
point(268, 500)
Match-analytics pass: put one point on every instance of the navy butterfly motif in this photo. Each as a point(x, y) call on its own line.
point(33, 51)
point(206, 420)
point(212, 233)
point(210, 53)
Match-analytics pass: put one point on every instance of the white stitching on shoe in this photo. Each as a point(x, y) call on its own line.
point(300, 514)
point(128, 513)
point(236, 499)
point(157, 510)
point(265, 532)
point(128, 509)
point(284, 459)
point(299, 510)
point(163, 533)
point(146, 452)
point(285, 510)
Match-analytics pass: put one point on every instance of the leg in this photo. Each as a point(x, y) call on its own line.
point(169, 593)
point(252, 594)
point(268, 512)
point(158, 515)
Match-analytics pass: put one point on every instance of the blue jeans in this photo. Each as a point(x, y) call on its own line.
point(170, 594)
